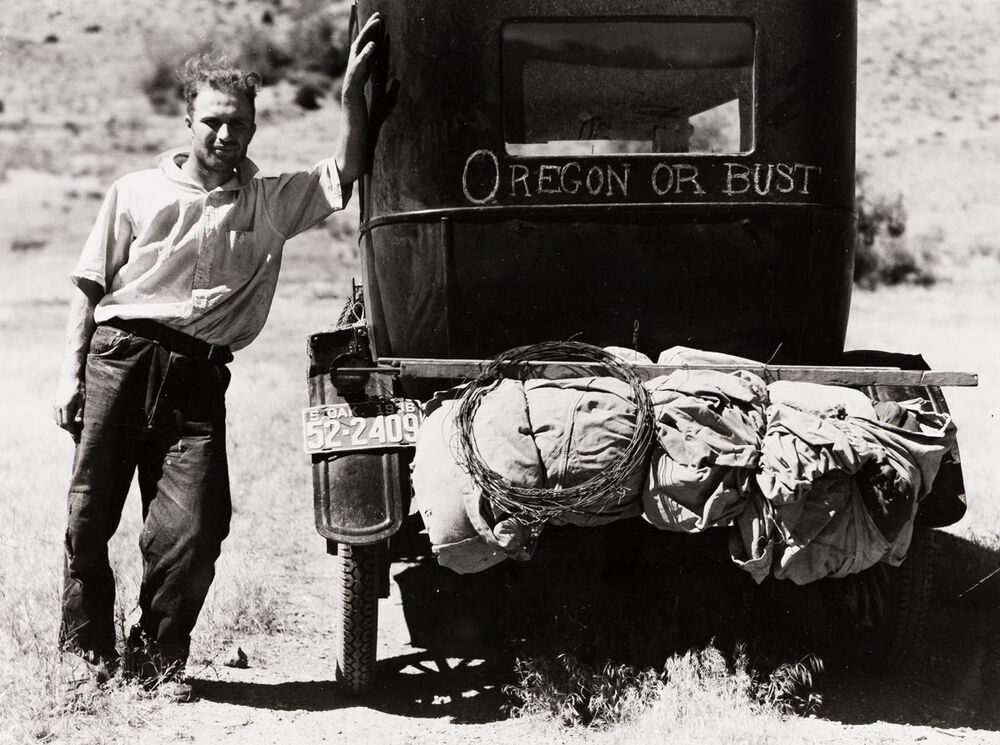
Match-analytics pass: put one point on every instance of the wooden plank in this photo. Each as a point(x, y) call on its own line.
point(848, 376)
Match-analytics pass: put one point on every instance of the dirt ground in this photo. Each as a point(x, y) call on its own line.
point(72, 118)
point(423, 697)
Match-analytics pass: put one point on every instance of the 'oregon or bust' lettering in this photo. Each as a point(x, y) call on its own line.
point(486, 179)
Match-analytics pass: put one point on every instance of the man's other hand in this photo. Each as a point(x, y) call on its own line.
point(67, 409)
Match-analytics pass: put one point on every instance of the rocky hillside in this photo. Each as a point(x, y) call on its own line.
point(76, 74)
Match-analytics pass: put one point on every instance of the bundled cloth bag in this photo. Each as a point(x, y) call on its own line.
point(709, 430)
point(909, 456)
point(582, 426)
point(826, 400)
point(633, 356)
point(833, 537)
point(466, 537)
point(680, 355)
point(837, 495)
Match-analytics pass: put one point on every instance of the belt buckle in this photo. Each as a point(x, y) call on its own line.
point(211, 353)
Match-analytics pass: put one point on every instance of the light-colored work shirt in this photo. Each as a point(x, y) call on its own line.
point(203, 262)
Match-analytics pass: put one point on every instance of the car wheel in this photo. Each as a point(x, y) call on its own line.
point(356, 628)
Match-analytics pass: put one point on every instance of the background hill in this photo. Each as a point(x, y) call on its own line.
point(76, 75)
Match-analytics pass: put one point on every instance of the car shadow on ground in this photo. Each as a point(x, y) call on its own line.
point(422, 684)
point(624, 595)
point(952, 681)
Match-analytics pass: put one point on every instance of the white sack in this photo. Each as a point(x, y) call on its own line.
point(445, 493)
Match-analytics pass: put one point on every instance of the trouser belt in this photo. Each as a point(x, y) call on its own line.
point(172, 339)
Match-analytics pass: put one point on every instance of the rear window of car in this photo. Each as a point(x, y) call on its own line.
point(628, 86)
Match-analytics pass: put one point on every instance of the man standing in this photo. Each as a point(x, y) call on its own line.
point(179, 269)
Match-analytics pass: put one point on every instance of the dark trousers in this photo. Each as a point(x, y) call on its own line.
point(163, 414)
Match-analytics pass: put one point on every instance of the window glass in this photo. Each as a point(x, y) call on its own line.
point(593, 87)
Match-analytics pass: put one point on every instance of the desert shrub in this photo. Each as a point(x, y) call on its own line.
point(983, 249)
point(306, 46)
point(160, 83)
point(253, 50)
point(259, 50)
point(161, 87)
point(317, 35)
point(884, 255)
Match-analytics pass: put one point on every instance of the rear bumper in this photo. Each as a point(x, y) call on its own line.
point(362, 497)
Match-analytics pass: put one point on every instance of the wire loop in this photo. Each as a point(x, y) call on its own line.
point(533, 504)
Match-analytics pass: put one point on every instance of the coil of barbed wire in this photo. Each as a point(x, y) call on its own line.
point(540, 504)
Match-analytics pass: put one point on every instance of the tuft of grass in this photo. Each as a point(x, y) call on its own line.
point(789, 687)
point(49, 697)
point(691, 687)
point(572, 693)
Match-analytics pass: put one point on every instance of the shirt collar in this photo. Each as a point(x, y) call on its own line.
point(167, 162)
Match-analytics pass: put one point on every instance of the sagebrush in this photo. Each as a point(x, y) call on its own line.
point(305, 45)
point(884, 254)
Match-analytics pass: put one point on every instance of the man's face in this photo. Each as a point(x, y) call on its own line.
point(221, 127)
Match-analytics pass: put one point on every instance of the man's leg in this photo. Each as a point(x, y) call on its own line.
point(102, 471)
point(186, 503)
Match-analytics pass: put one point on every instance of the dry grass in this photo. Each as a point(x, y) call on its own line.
point(572, 693)
point(697, 697)
point(566, 691)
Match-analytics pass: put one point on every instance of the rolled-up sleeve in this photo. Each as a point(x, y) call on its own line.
point(296, 201)
point(106, 249)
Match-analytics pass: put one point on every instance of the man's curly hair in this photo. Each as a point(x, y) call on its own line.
point(216, 71)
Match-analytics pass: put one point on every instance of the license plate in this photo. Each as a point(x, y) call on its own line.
point(367, 425)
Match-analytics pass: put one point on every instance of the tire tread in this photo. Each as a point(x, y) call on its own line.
point(356, 627)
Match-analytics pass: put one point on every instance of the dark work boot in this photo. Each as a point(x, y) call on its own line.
point(157, 672)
